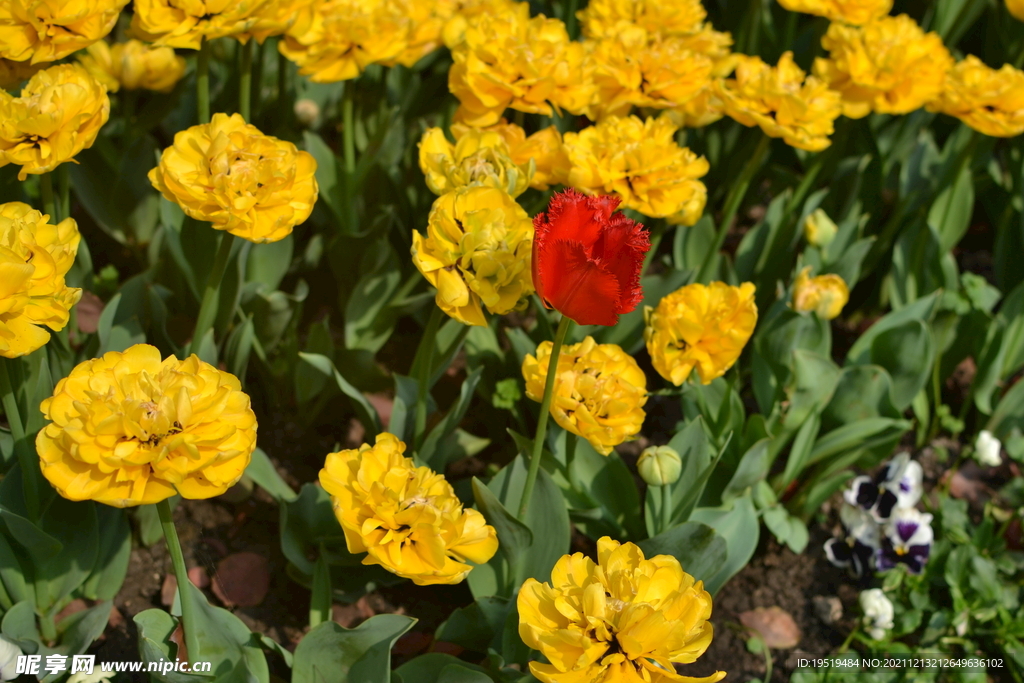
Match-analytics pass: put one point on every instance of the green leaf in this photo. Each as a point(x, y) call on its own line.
point(514, 538)
point(855, 435)
point(700, 550)
point(113, 555)
point(262, 471)
point(922, 309)
point(19, 626)
point(320, 601)
point(332, 654)
point(306, 523)
point(906, 351)
point(950, 213)
point(478, 625)
point(12, 576)
point(75, 525)
point(737, 524)
point(367, 413)
point(815, 378)
point(429, 452)
point(428, 668)
point(607, 486)
point(269, 263)
point(459, 673)
point(238, 348)
point(787, 528)
point(800, 453)
point(864, 391)
point(368, 319)
point(753, 468)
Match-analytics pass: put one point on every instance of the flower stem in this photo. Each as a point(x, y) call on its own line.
point(203, 82)
point(422, 362)
point(542, 423)
point(208, 308)
point(245, 82)
point(64, 188)
point(732, 204)
point(666, 507)
point(282, 83)
point(188, 621)
point(46, 195)
point(348, 132)
point(29, 466)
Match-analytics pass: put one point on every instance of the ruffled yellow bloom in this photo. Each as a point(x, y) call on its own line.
point(599, 391)
point(34, 258)
point(47, 30)
point(889, 66)
point(406, 518)
point(629, 71)
point(277, 17)
point(231, 175)
point(641, 162)
point(825, 294)
point(465, 12)
point(991, 101)
point(544, 148)
point(129, 429)
point(480, 157)
point(476, 253)
point(1016, 8)
point(345, 36)
point(626, 619)
point(781, 102)
point(133, 65)
point(608, 18)
point(510, 60)
point(702, 327)
point(13, 74)
point(855, 12)
point(59, 113)
point(186, 24)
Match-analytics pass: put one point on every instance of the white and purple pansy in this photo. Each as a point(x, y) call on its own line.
point(861, 543)
point(897, 485)
point(907, 540)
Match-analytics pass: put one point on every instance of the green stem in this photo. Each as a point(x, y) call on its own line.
point(282, 83)
point(29, 465)
point(46, 195)
point(657, 233)
point(348, 132)
point(732, 204)
point(203, 82)
point(666, 507)
point(208, 308)
point(257, 79)
point(47, 628)
point(64, 189)
point(545, 408)
point(423, 360)
point(185, 594)
point(245, 82)
point(571, 26)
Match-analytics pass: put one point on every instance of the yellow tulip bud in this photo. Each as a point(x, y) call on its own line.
point(819, 229)
point(133, 65)
point(825, 294)
point(659, 465)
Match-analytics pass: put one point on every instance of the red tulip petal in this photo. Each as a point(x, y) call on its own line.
point(621, 250)
point(577, 217)
point(579, 287)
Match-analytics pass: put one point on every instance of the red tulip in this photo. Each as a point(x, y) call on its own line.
point(587, 259)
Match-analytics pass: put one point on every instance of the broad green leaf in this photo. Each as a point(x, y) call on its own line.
point(113, 554)
point(306, 523)
point(262, 471)
point(907, 352)
point(367, 413)
point(514, 538)
point(268, 263)
point(478, 625)
point(699, 549)
point(815, 378)
point(430, 453)
point(922, 309)
point(737, 524)
point(864, 391)
point(320, 601)
point(753, 468)
point(855, 436)
point(332, 654)
point(607, 485)
point(800, 453)
point(12, 576)
point(427, 668)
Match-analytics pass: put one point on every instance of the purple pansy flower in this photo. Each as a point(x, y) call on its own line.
point(907, 540)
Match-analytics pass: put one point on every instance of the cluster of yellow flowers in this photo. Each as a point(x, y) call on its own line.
point(38, 31)
point(133, 65)
point(599, 391)
point(35, 255)
point(231, 175)
point(129, 429)
point(622, 619)
point(407, 519)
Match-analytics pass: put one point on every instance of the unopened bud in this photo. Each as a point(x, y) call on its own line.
point(819, 228)
point(307, 112)
point(660, 465)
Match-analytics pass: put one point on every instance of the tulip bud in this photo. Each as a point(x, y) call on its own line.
point(660, 465)
point(307, 112)
point(819, 229)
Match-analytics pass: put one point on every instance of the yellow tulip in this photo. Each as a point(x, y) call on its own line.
point(231, 175)
point(825, 294)
point(130, 429)
point(133, 65)
point(465, 12)
point(599, 391)
point(509, 60)
point(702, 327)
point(186, 24)
point(991, 101)
point(608, 18)
point(343, 37)
point(781, 101)
point(889, 66)
point(819, 229)
point(277, 17)
point(1016, 8)
point(476, 253)
point(855, 12)
point(406, 518)
point(624, 619)
point(35, 256)
point(639, 161)
point(480, 157)
point(59, 113)
point(544, 148)
point(47, 30)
